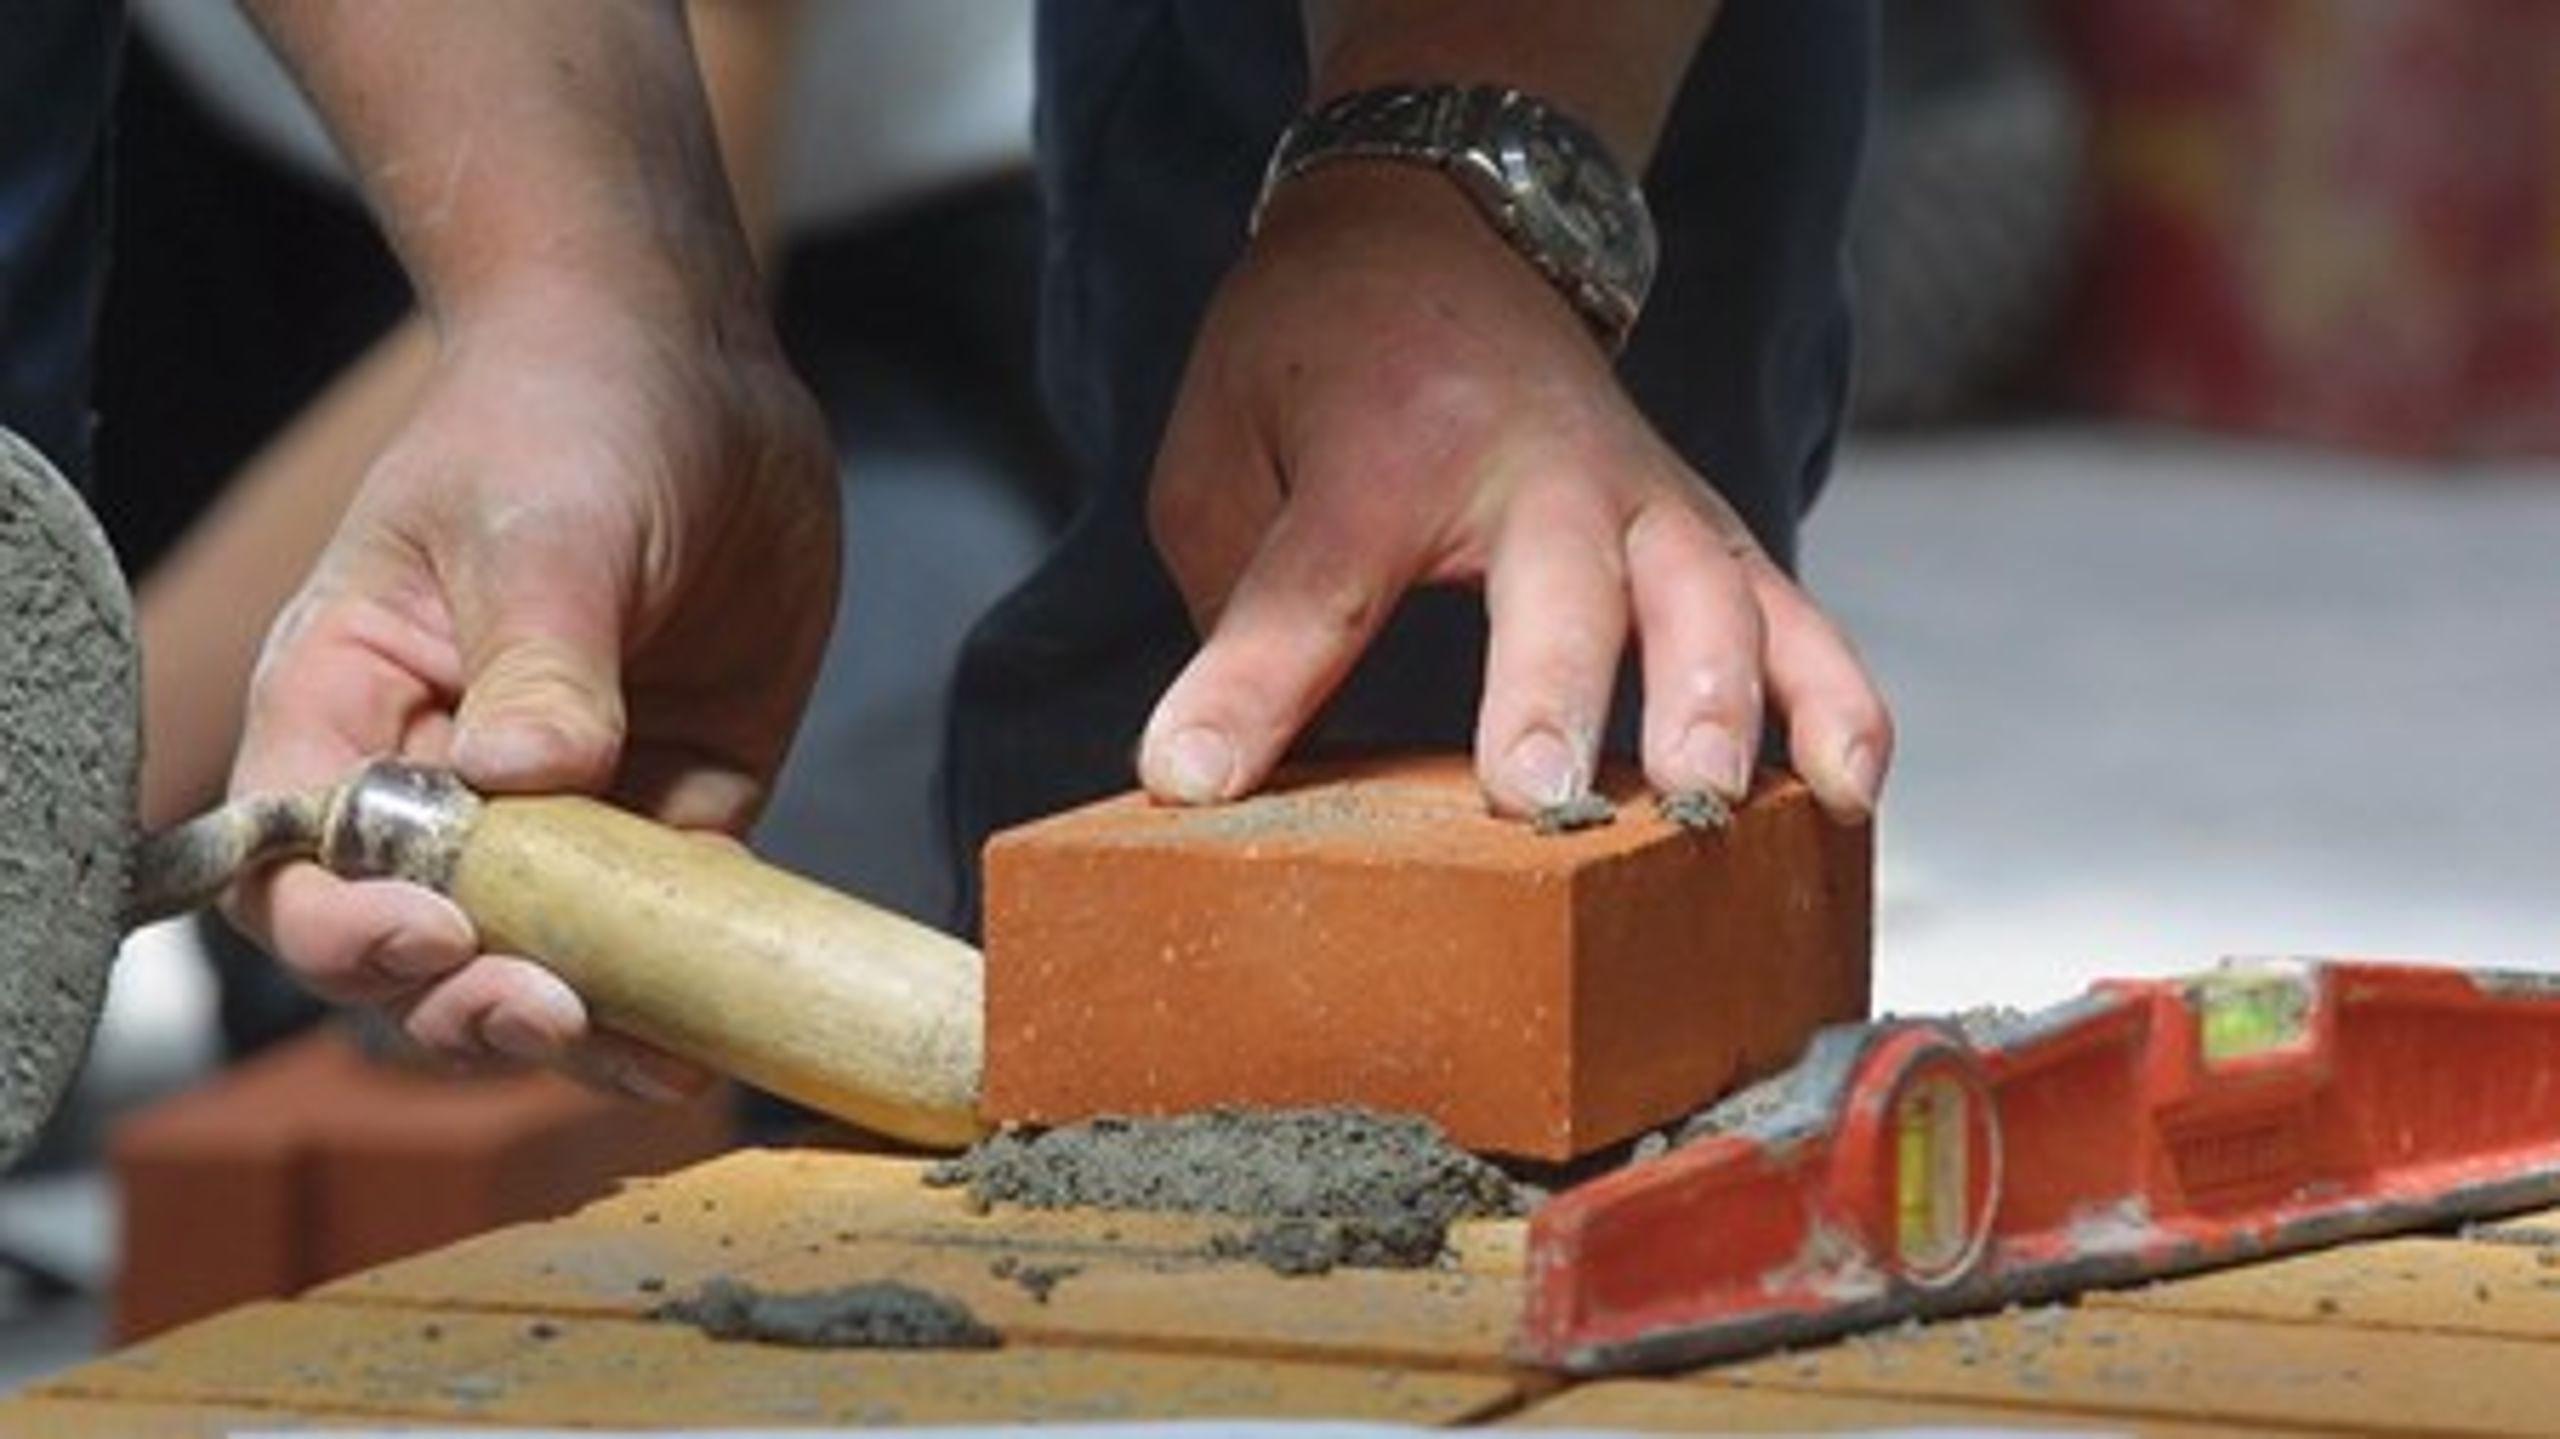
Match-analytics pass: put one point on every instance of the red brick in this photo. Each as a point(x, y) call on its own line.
point(312, 1161)
point(1368, 934)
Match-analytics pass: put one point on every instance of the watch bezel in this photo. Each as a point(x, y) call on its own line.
point(1581, 240)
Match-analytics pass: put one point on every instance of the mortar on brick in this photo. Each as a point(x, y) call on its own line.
point(1334, 1186)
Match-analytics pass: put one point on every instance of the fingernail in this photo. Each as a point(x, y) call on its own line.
point(492, 752)
point(535, 1023)
point(1198, 764)
point(430, 936)
point(636, 1080)
point(1709, 758)
point(1545, 770)
point(1864, 770)
point(515, 1041)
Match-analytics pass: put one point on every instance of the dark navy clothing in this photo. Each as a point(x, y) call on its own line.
point(57, 79)
point(1154, 121)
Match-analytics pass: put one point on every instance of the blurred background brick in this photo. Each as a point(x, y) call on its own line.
point(314, 1160)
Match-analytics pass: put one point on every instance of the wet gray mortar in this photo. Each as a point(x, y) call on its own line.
point(70, 703)
point(880, 1314)
point(1325, 1187)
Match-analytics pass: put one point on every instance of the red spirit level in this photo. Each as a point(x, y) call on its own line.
point(1913, 1168)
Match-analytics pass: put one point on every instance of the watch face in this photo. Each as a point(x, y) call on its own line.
point(1568, 199)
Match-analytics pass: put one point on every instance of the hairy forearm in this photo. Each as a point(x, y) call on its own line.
point(508, 144)
point(1615, 65)
point(203, 609)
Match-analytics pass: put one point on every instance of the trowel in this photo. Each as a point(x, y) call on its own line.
point(691, 946)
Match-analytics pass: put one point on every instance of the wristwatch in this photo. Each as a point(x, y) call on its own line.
point(1542, 179)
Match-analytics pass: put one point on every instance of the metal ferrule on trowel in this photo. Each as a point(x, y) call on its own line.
point(390, 820)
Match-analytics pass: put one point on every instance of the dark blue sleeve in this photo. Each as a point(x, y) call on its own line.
point(57, 81)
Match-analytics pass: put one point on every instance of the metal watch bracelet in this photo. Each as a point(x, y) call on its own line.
point(1545, 182)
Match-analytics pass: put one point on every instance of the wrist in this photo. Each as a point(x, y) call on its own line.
point(1405, 204)
point(573, 295)
point(644, 242)
point(1379, 237)
point(1535, 177)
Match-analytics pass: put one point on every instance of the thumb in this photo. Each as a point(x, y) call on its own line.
point(541, 641)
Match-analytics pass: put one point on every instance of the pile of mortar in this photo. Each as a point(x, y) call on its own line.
point(1322, 1187)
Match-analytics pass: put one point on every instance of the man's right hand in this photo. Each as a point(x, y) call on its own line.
point(601, 557)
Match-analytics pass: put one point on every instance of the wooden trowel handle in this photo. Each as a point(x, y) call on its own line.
point(697, 947)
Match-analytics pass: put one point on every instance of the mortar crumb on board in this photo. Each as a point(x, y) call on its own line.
point(1751, 1108)
point(881, 1314)
point(1331, 1186)
point(1037, 1280)
point(2511, 1232)
point(1320, 1246)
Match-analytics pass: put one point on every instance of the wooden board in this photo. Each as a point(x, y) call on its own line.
point(1680, 1407)
point(90, 1418)
point(2433, 1285)
point(2338, 1380)
point(1129, 1281)
point(375, 1360)
point(1128, 1317)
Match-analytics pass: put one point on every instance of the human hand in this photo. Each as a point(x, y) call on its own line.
point(1384, 395)
point(601, 556)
